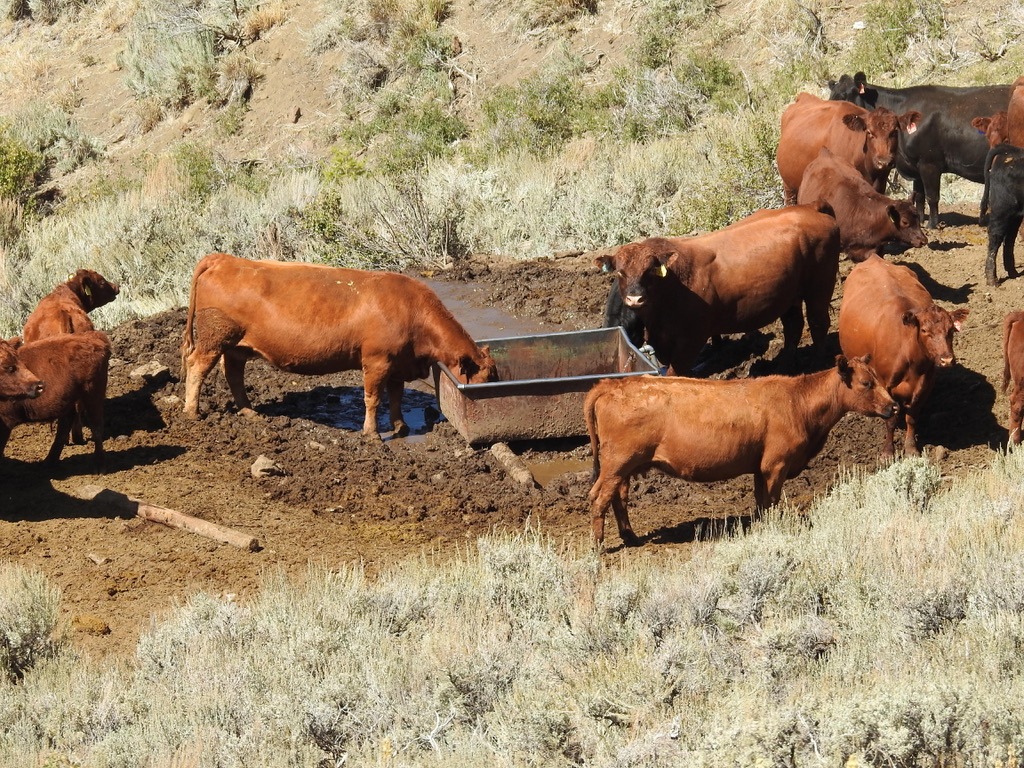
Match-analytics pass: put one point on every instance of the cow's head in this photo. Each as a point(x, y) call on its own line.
point(92, 289)
point(16, 381)
point(854, 89)
point(935, 327)
point(904, 217)
point(478, 370)
point(994, 128)
point(641, 269)
point(865, 392)
point(881, 128)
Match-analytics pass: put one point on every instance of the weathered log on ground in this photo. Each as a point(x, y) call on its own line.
point(169, 517)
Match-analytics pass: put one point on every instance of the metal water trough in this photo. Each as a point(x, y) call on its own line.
point(543, 380)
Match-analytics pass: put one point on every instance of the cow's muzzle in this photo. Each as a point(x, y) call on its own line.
point(633, 301)
point(947, 361)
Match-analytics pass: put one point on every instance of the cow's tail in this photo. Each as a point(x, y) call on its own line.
point(188, 342)
point(1007, 329)
point(590, 416)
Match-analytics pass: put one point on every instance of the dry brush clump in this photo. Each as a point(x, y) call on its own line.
point(882, 628)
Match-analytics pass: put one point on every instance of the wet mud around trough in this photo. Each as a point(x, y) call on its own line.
point(344, 498)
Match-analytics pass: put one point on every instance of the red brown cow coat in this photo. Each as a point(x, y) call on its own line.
point(737, 279)
point(312, 319)
point(1015, 114)
point(996, 133)
point(886, 313)
point(1013, 370)
point(706, 430)
point(866, 139)
point(16, 381)
point(66, 308)
point(74, 367)
point(867, 219)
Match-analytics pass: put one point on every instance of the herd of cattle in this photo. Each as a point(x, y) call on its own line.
point(672, 293)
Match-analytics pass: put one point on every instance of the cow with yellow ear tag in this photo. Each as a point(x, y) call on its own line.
point(769, 265)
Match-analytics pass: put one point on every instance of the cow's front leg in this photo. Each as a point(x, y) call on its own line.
point(395, 389)
point(910, 439)
point(931, 178)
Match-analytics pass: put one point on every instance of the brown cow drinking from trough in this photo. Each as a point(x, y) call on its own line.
point(706, 430)
point(312, 319)
point(16, 381)
point(737, 279)
point(74, 367)
point(886, 313)
point(1013, 370)
point(867, 139)
point(867, 219)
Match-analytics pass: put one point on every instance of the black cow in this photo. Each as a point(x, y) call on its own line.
point(944, 141)
point(1005, 186)
point(617, 313)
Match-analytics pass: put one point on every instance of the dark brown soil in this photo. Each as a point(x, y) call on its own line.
point(343, 497)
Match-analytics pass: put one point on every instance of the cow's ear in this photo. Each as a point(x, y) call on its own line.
point(981, 124)
point(665, 262)
point(959, 315)
point(910, 317)
point(605, 263)
point(845, 369)
point(894, 214)
point(909, 120)
point(855, 122)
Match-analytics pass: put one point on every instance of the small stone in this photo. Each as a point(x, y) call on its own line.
point(90, 624)
point(265, 467)
point(153, 372)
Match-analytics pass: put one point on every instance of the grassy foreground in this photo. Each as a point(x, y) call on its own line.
point(884, 627)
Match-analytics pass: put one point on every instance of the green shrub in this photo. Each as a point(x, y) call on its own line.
point(28, 617)
point(659, 26)
point(53, 133)
point(890, 26)
point(540, 113)
point(20, 167)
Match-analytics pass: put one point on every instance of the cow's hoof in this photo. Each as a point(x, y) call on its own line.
point(630, 539)
point(401, 430)
point(249, 413)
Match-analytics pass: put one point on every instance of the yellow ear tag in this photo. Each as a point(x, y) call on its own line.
point(662, 270)
point(87, 290)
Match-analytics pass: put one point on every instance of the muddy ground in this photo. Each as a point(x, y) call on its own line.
point(344, 498)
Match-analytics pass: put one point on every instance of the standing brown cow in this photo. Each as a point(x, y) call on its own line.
point(867, 219)
point(996, 133)
point(312, 319)
point(74, 367)
point(888, 314)
point(16, 381)
point(1015, 114)
point(737, 279)
point(1013, 370)
point(66, 310)
point(706, 430)
point(867, 139)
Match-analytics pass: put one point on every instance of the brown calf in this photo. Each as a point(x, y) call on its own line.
point(867, 139)
point(313, 319)
point(886, 313)
point(65, 309)
point(74, 367)
point(867, 219)
point(1013, 370)
point(16, 381)
point(706, 430)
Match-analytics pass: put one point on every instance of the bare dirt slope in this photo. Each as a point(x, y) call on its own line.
point(345, 498)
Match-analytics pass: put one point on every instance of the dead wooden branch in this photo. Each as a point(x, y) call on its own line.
point(165, 516)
